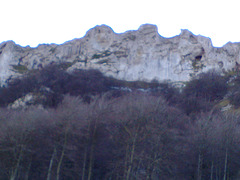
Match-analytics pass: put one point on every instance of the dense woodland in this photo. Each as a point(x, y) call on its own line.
point(93, 127)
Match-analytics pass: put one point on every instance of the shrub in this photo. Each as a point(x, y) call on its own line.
point(235, 98)
point(210, 86)
point(234, 91)
point(85, 82)
point(193, 105)
point(170, 93)
point(51, 77)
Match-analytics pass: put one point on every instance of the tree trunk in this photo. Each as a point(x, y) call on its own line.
point(126, 163)
point(14, 174)
point(50, 164)
point(28, 170)
point(131, 158)
point(225, 165)
point(90, 162)
point(199, 172)
point(62, 155)
point(92, 152)
point(84, 163)
point(212, 170)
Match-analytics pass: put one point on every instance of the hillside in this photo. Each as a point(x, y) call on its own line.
point(90, 126)
point(107, 106)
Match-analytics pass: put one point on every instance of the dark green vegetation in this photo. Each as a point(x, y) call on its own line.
point(91, 128)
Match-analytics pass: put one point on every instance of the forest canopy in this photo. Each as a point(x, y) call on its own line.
point(95, 127)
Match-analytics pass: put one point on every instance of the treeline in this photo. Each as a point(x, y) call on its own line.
point(136, 136)
point(53, 82)
point(92, 128)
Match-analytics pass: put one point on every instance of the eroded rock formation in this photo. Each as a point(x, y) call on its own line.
point(134, 55)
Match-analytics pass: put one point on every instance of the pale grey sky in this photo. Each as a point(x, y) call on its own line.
point(33, 22)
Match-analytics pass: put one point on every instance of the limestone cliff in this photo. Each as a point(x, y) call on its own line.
point(134, 55)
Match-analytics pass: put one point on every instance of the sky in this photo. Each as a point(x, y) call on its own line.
point(33, 22)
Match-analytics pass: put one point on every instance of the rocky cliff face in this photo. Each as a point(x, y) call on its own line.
point(133, 55)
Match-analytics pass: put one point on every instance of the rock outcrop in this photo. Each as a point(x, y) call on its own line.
point(134, 55)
